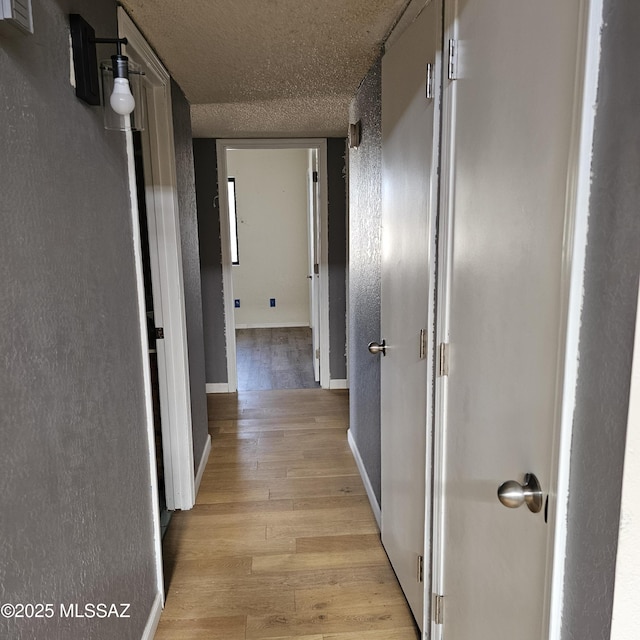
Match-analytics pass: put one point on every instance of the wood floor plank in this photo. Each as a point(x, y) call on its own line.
point(311, 561)
point(339, 598)
point(300, 523)
point(311, 487)
point(346, 543)
point(207, 549)
point(408, 633)
point(348, 526)
point(219, 628)
point(331, 502)
point(273, 626)
point(346, 577)
point(206, 602)
point(282, 542)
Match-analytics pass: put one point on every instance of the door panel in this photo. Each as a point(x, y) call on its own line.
point(314, 259)
point(407, 223)
point(511, 138)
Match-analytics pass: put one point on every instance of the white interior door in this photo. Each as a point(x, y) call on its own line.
point(314, 272)
point(408, 212)
point(510, 138)
point(166, 270)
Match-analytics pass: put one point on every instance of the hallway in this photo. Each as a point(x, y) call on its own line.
point(282, 542)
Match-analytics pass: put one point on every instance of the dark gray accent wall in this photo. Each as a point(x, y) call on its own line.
point(206, 174)
point(76, 521)
point(337, 250)
point(365, 208)
point(607, 333)
point(190, 268)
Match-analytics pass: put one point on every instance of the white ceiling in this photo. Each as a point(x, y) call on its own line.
point(267, 68)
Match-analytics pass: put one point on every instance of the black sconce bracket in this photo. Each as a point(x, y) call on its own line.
point(85, 60)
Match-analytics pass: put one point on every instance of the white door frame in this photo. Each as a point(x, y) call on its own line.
point(222, 146)
point(166, 273)
point(575, 241)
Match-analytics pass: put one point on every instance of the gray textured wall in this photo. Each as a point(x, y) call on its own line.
point(607, 333)
point(364, 274)
point(76, 520)
point(206, 172)
point(190, 268)
point(337, 250)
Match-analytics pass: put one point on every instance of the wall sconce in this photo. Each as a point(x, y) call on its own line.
point(121, 79)
point(355, 134)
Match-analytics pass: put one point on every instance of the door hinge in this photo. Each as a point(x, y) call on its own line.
point(317, 354)
point(438, 608)
point(315, 176)
point(423, 344)
point(159, 333)
point(452, 66)
point(443, 359)
point(420, 569)
point(429, 81)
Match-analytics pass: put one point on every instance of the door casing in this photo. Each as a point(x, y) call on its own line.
point(320, 145)
point(167, 277)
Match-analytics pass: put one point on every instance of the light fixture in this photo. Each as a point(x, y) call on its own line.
point(121, 100)
point(120, 92)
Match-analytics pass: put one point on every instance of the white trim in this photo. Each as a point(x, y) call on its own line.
point(323, 183)
point(217, 387)
point(153, 619)
point(167, 277)
point(442, 319)
point(339, 383)
point(578, 194)
point(272, 325)
point(203, 463)
point(375, 507)
point(224, 145)
point(146, 370)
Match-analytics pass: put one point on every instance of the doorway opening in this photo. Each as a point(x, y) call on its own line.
point(273, 227)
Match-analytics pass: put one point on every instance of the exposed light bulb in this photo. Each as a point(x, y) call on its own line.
point(121, 99)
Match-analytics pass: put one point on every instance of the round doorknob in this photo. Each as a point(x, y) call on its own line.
point(512, 494)
point(378, 347)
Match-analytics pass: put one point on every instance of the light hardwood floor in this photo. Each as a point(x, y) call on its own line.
point(282, 542)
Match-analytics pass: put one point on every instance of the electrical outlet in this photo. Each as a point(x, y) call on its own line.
point(272, 302)
point(236, 303)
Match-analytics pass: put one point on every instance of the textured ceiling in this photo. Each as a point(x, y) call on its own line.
point(258, 68)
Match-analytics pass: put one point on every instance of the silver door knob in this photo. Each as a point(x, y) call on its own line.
point(378, 347)
point(512, 494)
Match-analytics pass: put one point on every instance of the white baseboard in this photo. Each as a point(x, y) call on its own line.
point(375, 507)
point(217, 387)
point(153, 619)
point(272, 325)
point(203, 463)
point(338, 384)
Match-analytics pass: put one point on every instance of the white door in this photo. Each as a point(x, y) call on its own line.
point(510, 140)
point(408, 217)
point(314, 272)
